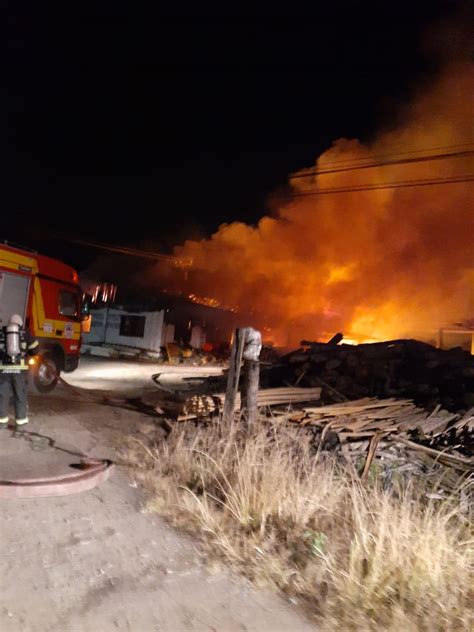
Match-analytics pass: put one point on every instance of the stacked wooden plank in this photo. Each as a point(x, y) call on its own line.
point(203, 405)
point(282, 395)
point(362, 424)
point(370, 414)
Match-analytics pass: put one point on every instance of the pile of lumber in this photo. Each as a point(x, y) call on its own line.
point(392, 432)
point(365, 416)
point(201, 405)
point(392, 435)
point(401, 368)
point(367, 425)
point(283, 395)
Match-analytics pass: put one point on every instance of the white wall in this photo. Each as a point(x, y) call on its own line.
point(168, 334)
point(106, 329)
point(97, 332)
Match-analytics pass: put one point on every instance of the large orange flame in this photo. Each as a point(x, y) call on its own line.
point(375, 264)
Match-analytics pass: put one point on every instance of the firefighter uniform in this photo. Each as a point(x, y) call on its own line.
point(14, 374)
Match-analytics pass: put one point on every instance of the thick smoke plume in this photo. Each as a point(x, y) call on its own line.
point(375, 264)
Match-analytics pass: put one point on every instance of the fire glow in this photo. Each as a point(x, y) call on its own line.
point(211, 302)
point(376, 264)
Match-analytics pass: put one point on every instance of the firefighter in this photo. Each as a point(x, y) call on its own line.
point(16, 345)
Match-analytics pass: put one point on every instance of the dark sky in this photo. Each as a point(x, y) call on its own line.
point(143, 127)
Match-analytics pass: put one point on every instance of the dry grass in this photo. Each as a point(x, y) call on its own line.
point(361, 557)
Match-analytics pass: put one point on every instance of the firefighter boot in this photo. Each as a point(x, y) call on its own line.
point(20, 390)
point(5, 390)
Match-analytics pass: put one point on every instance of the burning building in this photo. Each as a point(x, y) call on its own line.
point(151, 323)
point(375, 240)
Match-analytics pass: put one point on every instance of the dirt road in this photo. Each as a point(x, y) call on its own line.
point(94, 561)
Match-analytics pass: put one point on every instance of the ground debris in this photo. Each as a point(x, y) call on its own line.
point(316, 387)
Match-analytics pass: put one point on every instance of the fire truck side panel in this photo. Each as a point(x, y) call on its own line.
point(16, 270)
point(40, 284)
point(14, 294)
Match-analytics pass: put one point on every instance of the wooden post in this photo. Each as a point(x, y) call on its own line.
point(251, 379)
point(250, 384)
point(234, 374)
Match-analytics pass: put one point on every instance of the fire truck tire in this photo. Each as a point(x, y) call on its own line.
point(45, 375)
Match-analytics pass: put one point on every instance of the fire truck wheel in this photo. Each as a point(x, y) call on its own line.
point(46, 374)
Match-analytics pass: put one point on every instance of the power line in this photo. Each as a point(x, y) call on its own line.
point(385, 185)
point(388, 156)
point(157, 256)
point(402, 161)
point(186, 263)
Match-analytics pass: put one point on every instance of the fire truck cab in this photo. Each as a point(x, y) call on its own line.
point(46, 293)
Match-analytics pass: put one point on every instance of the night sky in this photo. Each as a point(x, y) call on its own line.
point(142, 128)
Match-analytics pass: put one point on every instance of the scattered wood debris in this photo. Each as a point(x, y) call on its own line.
point(396, 438)
point(384, 415)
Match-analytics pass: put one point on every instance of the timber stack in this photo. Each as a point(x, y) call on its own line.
point(397, 368)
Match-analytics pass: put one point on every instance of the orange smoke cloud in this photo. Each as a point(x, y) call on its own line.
point(375, 264)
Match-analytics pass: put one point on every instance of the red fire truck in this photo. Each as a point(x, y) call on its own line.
point(46, 293)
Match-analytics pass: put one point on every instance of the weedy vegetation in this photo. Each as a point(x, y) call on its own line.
point(371, 556)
